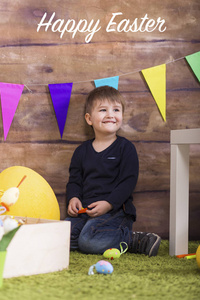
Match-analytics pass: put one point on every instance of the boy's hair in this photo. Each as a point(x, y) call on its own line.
point(103, 93)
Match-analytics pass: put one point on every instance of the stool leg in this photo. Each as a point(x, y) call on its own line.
point(179, 200)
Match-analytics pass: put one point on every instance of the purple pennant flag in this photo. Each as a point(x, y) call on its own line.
point(60, 95)
point(10, 96)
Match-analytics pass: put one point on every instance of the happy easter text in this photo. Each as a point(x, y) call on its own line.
point(91, 27)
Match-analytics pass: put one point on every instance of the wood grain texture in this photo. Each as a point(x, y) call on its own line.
point(39, 58)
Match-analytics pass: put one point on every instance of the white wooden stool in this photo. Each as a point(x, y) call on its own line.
point(180, 141)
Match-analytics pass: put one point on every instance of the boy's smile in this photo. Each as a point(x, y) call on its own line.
point(105, 117)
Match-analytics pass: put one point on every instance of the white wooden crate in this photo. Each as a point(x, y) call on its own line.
point(38, 248)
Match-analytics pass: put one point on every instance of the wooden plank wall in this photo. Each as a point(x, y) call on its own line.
point(39, 58)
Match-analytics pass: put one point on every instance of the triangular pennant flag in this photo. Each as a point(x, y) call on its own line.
point(5, 241)
point(194, 62)
point(10, 96)
point(60, 95)
point(110, 81)
point(156, 80)
point(2, 263)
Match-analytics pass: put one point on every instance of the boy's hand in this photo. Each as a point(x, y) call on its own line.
point(73, 207)
point(98, 208)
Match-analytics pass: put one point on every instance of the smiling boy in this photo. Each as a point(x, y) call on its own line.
point(103, 176)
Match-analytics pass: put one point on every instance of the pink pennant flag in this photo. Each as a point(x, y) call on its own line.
point(10, 95)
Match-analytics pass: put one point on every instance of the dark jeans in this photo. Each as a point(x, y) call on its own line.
point(95, 235)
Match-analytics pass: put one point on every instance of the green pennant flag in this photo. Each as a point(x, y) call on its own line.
point(194, 62)
point(2, 262)
point(6, 239)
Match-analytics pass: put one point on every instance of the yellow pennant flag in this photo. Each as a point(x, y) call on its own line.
point(156, 80)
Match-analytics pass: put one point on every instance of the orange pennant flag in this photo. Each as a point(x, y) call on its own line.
point(156, 80)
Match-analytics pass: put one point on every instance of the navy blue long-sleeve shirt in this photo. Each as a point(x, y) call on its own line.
point(109, 175)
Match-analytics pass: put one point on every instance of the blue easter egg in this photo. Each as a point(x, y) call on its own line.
point(104, 267)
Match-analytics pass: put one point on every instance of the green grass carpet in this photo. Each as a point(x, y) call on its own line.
point(134, 277)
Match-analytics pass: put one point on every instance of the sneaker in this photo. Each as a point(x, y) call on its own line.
point(145, 243)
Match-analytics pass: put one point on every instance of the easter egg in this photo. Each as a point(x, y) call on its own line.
point(198, 256)
point(112, 253)
point(10, 196)
point(36, 197)
point(104, 267)
point(9, 224)
point(1, 229)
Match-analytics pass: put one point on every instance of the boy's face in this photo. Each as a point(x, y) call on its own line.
point(106, 117)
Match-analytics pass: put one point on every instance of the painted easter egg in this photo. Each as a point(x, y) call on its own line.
point(9, 224)
point(104, 267)
point(36, 197)
point(1, 229)
point(112, 253)
point(10, 196)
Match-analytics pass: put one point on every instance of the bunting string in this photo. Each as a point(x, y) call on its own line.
point(155, 78)
point(120, 75)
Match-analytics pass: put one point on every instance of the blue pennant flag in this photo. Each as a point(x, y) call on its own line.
point(110, 81)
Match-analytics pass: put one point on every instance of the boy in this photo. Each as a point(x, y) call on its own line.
point(103, 175)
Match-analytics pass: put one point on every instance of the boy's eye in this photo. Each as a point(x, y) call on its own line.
point(116, 109)
point(102, 109)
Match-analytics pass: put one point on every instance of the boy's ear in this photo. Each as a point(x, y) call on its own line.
point(88, 118)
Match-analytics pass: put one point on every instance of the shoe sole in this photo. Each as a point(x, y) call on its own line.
point(155, 245)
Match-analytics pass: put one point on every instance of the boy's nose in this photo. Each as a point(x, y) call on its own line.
point(110, 114)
